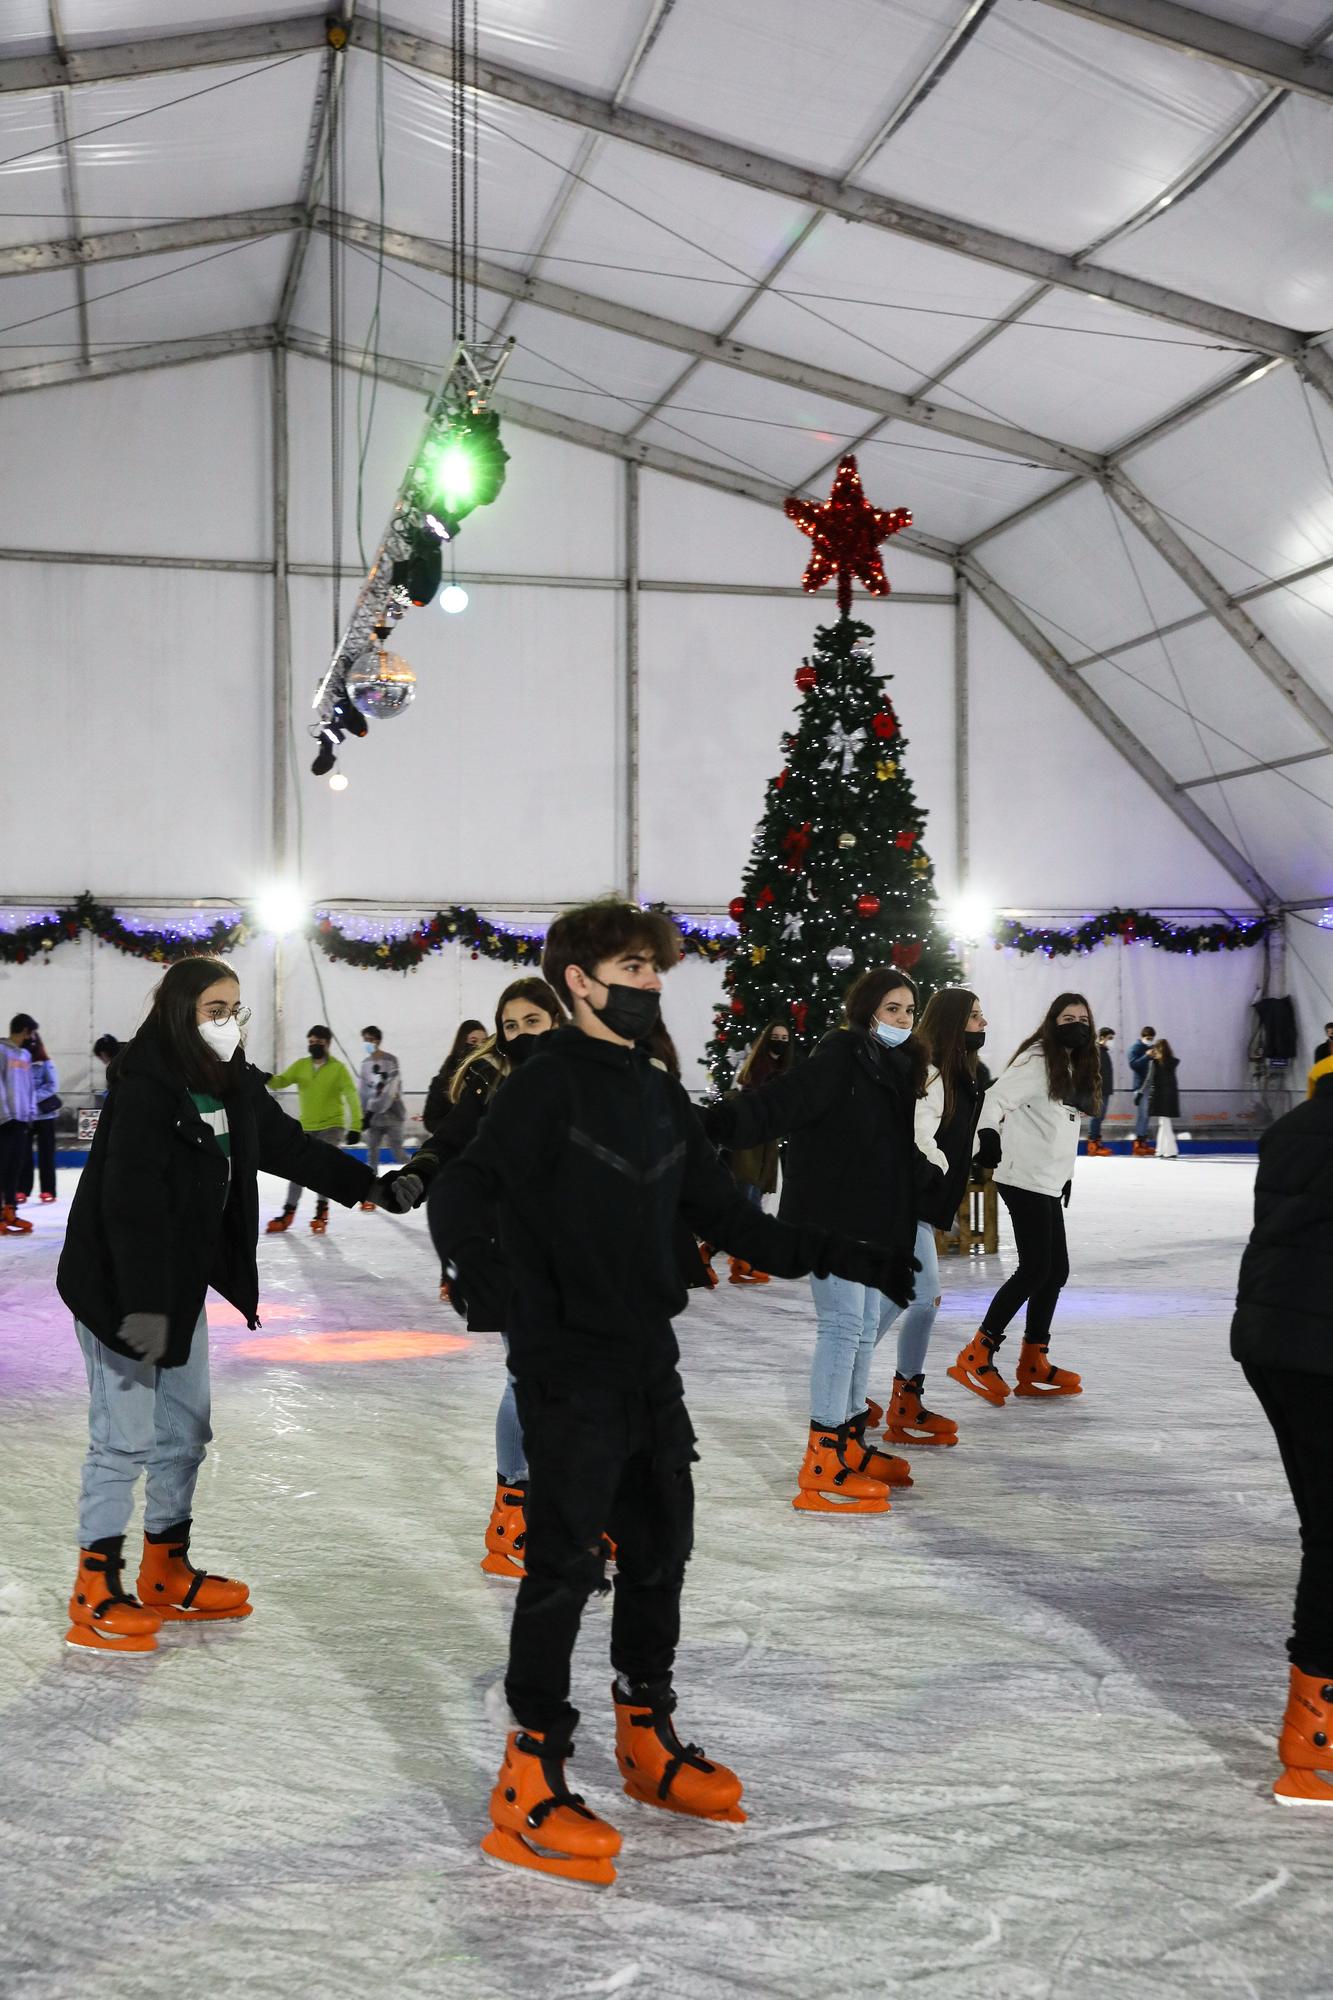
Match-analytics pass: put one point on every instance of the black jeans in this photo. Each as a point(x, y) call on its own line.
point(42, 1131)
point(1043, 1263)
point(602, 1458)
point(13, 1144)
point(1299, 1406)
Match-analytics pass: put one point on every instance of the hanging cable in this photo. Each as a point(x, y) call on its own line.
point(337, 301)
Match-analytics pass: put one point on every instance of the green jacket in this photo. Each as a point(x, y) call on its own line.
point(325, 1093)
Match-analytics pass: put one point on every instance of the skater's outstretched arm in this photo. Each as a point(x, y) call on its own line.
point(286, 1150)
point(772, 1110)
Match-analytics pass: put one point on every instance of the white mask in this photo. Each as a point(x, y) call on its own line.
point(223, 1037)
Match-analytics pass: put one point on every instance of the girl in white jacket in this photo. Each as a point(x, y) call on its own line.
point(1029, 1133)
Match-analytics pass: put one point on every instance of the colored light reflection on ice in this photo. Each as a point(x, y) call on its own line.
point(351, 1346)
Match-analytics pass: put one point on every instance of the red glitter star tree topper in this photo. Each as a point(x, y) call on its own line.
point(846, 532)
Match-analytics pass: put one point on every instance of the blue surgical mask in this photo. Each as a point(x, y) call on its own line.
point(892, 1037)
point(371, 1048)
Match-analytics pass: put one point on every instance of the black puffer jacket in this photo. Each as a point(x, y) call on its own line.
point(1284, 1305)
point(852, 1163)
point(157, 1219)
point(1163, 1089)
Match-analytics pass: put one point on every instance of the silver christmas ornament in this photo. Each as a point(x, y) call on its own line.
point(846, 838)
point(841, 958)
point(380, 684)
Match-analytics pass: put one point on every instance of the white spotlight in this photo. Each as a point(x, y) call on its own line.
point(281, 909)
point(970, 919)
point(453, 597)
point(338, 782)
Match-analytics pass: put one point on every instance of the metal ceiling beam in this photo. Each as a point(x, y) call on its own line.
point(62, 102)
point(658, 458)
point(332, 76)
point(424, 254)
point(1256, 590)
point(154, 55)
point(149, 240)
point(1176, 551)
point(1217, 41)
point(772, 175)
point(1108, 723)
point(135, 360)
point(1252, 770)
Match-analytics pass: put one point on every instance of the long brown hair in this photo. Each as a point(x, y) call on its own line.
point(491, 1051)
point(459, 1049)
point(763, 1056)
point(1071, 1078)
point(172, 1023)
point(941, 1029)
point(861, 1000)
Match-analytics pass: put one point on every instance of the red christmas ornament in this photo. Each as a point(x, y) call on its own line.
point(885, 724)
point(799, 1010)
point(738, 1006)
point(806, 677)
point(737, 907)
point(867, 905)
point(905, 956)
point(846, 532)
point(781, 779)
point(763, 899)
point(905, 839)
point(796, 845)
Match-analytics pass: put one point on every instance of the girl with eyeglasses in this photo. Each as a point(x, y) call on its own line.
point(168, 1205)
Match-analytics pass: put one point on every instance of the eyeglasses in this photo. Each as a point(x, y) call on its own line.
point(218, 1013)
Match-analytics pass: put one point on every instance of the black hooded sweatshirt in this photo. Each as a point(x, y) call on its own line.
point(1284, 1304)
point(592, 1155)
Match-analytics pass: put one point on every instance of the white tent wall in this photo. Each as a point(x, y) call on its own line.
point(1309, 981)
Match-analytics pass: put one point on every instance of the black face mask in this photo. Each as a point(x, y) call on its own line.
point(974, 1039)
point(630, 1011)
point(1073, 1035)
point(317, 1049)
point(519, 1047)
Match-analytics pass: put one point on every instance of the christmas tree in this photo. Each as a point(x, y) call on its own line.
point(838, 879)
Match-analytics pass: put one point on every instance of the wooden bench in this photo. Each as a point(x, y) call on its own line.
point(978, 1229)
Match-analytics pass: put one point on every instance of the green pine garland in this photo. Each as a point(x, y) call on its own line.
point(1133, 927)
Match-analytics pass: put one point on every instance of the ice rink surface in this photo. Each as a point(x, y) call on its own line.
point(1013, 1741)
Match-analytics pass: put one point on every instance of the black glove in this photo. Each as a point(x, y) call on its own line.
point(398, 1190)
point(889, 1271)
point(988, 1149)
point(353, 1138)
point(145, 1334)
point(1066, 1191)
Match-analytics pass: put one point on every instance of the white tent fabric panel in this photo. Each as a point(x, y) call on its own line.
point(1286, 20)
point(1272, 199)
point(716, 697)
point(416, 321)
point(869, 304)
point(1069, 567)
point(1059, 820)
point(1042, 130)
point(955, 489)
point(37, 318)
point(1274, 513)
point(1087, 372)
point(760, 426)
point(32, 190)
point(505, 768)
point(688, 532)
point(1310, 970)
point(587, 372)
point(180, 137)
point(90, 21)
point(558, 515)
point(189, 292)
point(595, 40)
point(23, 22)
point(1299, 619)
point(777, 79)
point(1283, 820)
point(173, 464)
point(148, 754)
point(659, 233)
point(1160, 688)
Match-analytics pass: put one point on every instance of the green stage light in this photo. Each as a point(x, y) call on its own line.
point(454, 480)
point(464, 468)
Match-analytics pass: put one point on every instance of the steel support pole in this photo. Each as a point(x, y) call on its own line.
point(282, 662)
point(631, 758)
point(962, 695)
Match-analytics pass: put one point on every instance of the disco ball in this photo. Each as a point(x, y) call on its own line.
point(380, 684)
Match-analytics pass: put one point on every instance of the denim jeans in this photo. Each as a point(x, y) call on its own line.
point(511, 1462)
point(332, 1136)
point(1142, 1114)
point(141, 1419)
point(919, 1317)
point(847, 1328)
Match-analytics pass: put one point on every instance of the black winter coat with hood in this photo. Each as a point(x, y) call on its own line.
point(1284, 1304)
point(852, 1162)
point(158, 1217)
point(1163, 1089)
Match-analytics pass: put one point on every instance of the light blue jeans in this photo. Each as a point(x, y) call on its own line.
point(1143, 1112)
point(919, 1317)
point(511, 1460)
point(847, 1328)
point(141, 1419)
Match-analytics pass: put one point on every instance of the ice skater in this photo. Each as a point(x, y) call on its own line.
point(325, 1090)
point(848, 1115)
point(591, 1153)
point(953, 1033)
point(168, 1205)
point(1028, 1132)
point(380, 1088)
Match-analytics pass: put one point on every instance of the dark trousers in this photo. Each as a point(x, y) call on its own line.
point(1299, 1406)
point(602, 1458)
point(13, 1145)
point(1043, 1263)
point(42, 1133)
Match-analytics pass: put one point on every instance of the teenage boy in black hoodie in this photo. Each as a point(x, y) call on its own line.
point(593, 1155)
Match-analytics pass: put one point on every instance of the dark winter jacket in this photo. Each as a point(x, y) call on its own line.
point(593, 1155)
point(157, 1217)
point(1108, 1074)
point(851, 1161)
point(487, 1298)
point(1163, 1090)
point(1140, 1062)
point(956, 1139)
point(1284, 1304)
point(757, 1166)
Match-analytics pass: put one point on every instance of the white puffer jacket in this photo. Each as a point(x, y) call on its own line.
point(1038, 1135)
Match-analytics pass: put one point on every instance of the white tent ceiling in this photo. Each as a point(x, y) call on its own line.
point(1059, 270)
